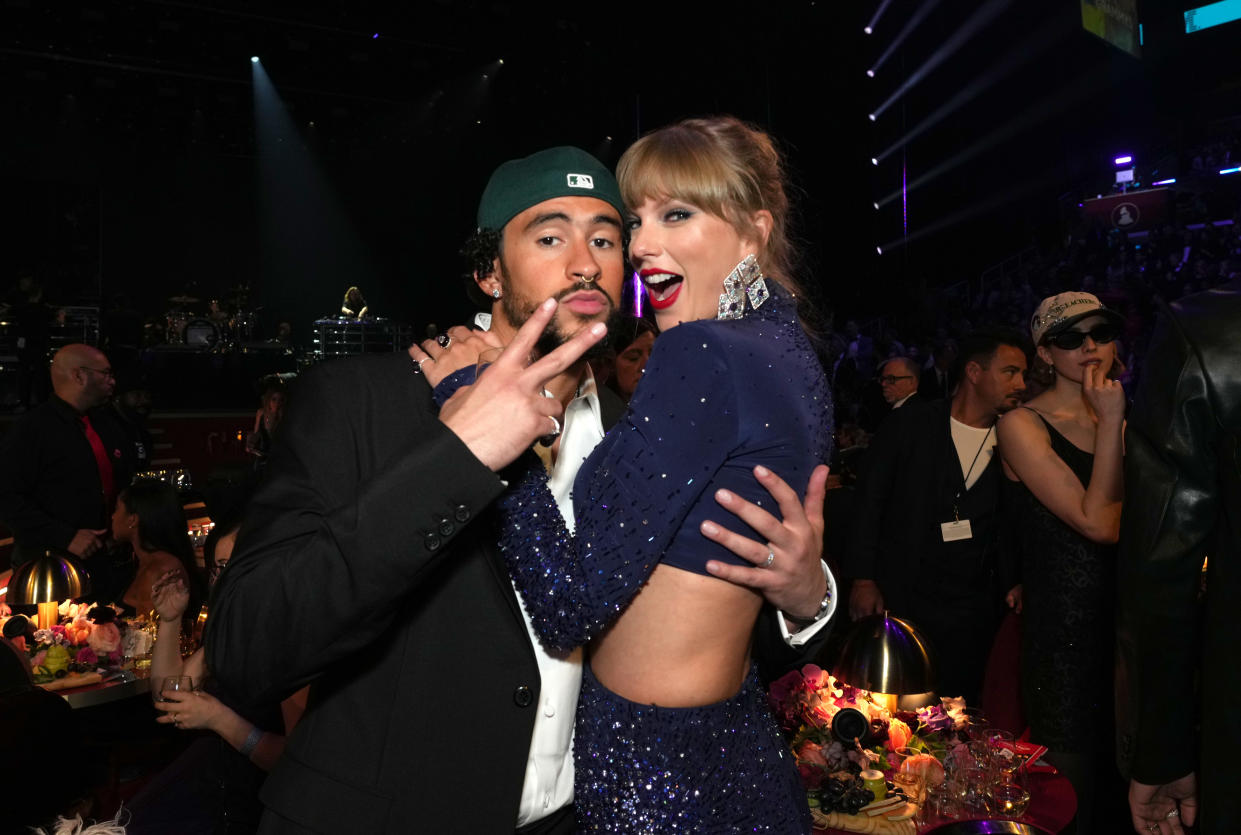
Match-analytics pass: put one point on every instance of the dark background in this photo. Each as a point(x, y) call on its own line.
point(132, 160)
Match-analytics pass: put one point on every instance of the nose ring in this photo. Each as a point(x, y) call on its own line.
point(589, 279)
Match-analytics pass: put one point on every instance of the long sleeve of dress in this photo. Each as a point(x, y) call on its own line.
point(631, 497)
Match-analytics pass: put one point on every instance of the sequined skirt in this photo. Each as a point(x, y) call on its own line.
point(718, 768)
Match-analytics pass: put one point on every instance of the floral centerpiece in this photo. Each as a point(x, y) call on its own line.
point(89, 639)
point(805, 703)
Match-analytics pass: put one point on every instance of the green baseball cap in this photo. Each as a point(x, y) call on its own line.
point(556, 172)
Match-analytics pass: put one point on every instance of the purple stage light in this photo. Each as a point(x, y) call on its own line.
point(870, 73)
point(1167, 182)
point(871, 117)
point(879, 250)
point(374, 36)
point(868, 30)
point(874, 161)
point(1124, 160)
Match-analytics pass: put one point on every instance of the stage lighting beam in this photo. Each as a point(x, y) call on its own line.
point(917, 17)
point(1043, 38)
point(1125, 160)
point(976, 23)
point(874, 21)
point(254, 59)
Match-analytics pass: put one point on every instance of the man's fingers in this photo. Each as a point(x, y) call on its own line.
point(567, 354)
point(816, 493)
point(518, 351)
point(764, 523)
point(742, 546)
point(755, 578)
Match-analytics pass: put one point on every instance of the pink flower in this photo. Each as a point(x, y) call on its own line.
point(86, 655)
point(816, 677)
point(811, 752)
point(105, 638)
point(38, 658)
point(898, 734)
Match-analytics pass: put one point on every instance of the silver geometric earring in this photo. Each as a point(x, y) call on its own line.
point(495, 294)
point(746, 280)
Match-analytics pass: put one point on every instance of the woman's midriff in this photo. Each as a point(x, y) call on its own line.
point(683, 642)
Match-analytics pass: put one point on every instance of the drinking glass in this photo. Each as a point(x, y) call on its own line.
point(1004, 757)
point(174, 684)
point(486, 358)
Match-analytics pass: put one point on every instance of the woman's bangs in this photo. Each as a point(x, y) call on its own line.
point(676, 171)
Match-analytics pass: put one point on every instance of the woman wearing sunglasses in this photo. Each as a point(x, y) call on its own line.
point(1062, 455)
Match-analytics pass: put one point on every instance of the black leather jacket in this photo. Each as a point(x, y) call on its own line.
point(1178, 659)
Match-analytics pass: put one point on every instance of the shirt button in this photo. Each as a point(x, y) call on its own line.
point(446, 528)
point(431, 541)
point(462, 513)
point(549, 710)
point(522, 697)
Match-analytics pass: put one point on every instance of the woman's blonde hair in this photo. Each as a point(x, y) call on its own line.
point(724, 166)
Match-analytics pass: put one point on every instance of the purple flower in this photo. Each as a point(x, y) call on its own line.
point(86, 655)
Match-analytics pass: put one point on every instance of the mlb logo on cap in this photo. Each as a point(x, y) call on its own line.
point(581, 181)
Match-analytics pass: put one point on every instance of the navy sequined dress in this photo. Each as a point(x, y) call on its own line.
point(717, 398)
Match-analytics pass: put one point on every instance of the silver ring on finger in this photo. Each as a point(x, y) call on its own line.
point(771, 557)
point(425, 359)
point(1175, 813)
point(555, 426)
point(444, 340)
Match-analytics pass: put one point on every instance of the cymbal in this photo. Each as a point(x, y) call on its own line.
point(183, 300)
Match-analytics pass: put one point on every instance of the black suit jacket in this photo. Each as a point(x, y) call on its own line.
point(49, 481)
point(1183, 503)
point(905, 490)
point(367, 567)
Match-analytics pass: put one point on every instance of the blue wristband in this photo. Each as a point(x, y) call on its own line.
point(252, 741)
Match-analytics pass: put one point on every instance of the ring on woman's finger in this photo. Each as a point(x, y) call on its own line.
point(425, 359)
point(1175, 813)
point(771, 557)
point(444, 340)
point(555, 426)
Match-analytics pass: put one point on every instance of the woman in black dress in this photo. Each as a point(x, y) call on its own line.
point(1062, 455)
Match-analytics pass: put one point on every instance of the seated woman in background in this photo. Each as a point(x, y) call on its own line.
point(149, 519)
point(213, 786)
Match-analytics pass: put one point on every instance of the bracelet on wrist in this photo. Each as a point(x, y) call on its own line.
point(252, 741)
point(825, 605)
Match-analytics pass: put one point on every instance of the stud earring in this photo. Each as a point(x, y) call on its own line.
point(495, 294)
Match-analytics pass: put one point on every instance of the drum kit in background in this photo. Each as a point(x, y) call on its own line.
point(218, 326)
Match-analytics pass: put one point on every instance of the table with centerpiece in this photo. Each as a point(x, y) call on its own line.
point(876, 762)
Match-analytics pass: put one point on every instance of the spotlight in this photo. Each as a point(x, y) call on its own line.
point(879, 250)
point(870, 73)
point(374, 36)
point(1124, 160)
point(500, 62)
point(871, 117)
point(608, 138)
point(874, 161)
point(876, 205)
point(254, 59)
point(868, 30)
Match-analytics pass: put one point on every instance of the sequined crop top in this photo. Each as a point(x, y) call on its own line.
point(716, 399)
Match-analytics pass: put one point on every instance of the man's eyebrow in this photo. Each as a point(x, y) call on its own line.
point(546, 218)
point(561, 216)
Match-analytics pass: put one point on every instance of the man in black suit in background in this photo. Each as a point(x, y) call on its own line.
point(368, 567)
point(925, 535)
